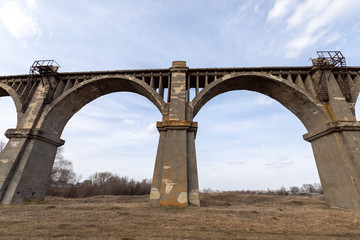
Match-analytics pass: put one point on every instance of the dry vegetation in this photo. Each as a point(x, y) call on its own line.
point(110, 185)
point(230, 215)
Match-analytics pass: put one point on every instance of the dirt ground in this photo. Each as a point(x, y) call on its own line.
point(228, 215)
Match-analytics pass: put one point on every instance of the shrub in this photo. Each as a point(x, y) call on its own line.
point(103, 183)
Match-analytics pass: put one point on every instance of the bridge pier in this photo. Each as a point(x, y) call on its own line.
point(175, 180)
point(337, 154)
point(25, 166)
point(336, 146)
point(28, 157)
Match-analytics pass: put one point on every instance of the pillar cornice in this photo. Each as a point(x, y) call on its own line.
point(179, 66)
point(34, 134)
point(177, 125)
point(331, 127)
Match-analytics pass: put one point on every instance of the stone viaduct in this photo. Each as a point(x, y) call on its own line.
point(322, 96)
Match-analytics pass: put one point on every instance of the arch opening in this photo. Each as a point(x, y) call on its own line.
point(63, 108)
point(5, 91)
point(113, 133)
point(8, 117)
point(357, 109)
point(250, 141)
point(290, 96)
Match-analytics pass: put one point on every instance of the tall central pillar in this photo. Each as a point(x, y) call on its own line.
point(175, 181)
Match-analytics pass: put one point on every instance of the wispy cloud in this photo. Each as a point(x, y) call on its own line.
point(19, 20)
point(311, 22)
point(264, 100)
point(235, 162)
point(280, 9)
point(278, 164)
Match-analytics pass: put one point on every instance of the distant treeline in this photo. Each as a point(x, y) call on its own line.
point(103, 183)
point(64, 183)
point(304, 189)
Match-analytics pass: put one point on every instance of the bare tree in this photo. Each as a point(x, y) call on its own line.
point(318, 188)
point(100, 178)
point(309, 188)
point(2, 145)
point(62, 170)
point(282, 191)
point(294, 190)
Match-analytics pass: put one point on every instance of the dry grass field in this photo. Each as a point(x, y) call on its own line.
point(228, 215)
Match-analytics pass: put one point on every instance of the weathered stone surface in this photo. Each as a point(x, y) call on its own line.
point(46, 103)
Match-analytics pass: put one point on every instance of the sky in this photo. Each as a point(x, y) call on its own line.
point(245, 140)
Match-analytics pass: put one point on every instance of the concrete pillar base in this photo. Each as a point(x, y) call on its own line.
point(26, 177)
point(175, 181)
point(337, 154)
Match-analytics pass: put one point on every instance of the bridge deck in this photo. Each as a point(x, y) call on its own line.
point(159, 79)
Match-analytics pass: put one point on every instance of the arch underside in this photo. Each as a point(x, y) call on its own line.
point(307, 109)
point(65, 106)
point(3, 93)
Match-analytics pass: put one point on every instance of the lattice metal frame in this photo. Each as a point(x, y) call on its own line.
point(328, 60)
point(46, 68)
point(333, 58)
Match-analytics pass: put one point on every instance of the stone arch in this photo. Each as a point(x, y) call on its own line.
point(308, 110)
point(6, 90)
point(64, 107)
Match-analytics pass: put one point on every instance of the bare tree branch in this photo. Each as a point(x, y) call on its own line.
point(62, 170)
point(2, 145)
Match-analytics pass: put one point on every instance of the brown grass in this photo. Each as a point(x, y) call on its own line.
point(229, 215)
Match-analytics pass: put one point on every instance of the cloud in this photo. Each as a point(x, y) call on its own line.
point(30, 3)
point(18, 20)
point(278, 164)
point(234, 162)
point(308, 10)
point(280, 9)
point(276, 116)
point(312, 22)
point(296, 46)
point(151, 127)
point(264, 100)
point(129, 121)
